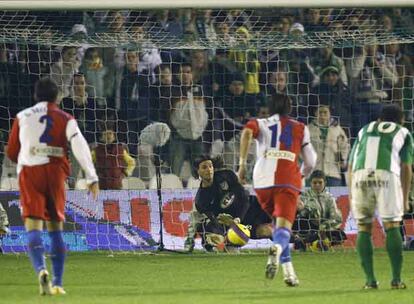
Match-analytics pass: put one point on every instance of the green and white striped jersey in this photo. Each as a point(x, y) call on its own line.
point(382, 146)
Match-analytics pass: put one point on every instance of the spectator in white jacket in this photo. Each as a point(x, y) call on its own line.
point(331, 145)
point(63, 70)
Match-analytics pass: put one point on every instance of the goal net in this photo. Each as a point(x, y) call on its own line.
point(204, 73)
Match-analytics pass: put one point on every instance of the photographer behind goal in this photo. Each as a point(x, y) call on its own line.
point(221, 201)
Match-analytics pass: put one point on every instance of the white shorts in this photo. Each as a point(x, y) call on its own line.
point(376, 189)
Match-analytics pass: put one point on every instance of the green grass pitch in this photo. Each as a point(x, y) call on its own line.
point(333, 277)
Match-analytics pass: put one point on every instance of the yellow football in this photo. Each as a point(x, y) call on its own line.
point(238, 235)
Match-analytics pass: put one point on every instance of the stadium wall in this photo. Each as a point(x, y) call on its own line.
point(129, 220)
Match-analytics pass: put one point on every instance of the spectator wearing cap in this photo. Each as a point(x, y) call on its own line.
point(325, 57)
point(331, 145)
point(333, 93)
point(296, 30)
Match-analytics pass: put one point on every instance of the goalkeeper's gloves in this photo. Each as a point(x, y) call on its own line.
point(227, 219)
point(4, 230)
point(217, 241)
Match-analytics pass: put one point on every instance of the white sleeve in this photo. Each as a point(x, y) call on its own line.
point(308, 154)
point(81, 151)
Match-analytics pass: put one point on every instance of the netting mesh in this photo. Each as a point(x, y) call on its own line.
point(204, 73)
point(188, 29)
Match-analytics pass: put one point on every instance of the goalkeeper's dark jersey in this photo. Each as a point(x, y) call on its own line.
point(225, 195)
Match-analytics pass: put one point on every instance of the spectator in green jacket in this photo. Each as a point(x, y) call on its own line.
point(4, 222)
point(318, 219)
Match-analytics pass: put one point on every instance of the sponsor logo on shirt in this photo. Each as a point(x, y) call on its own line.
point(372, 184)
point(280, 154)
point(47, 151)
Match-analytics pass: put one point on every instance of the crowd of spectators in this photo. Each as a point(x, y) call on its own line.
point(206, 95)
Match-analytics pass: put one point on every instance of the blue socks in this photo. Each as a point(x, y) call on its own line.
point(58, 253)
point(281, 236)
point(36, 250)
point(285, 256)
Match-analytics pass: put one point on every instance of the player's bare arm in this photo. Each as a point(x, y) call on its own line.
point(406, 175)
point(94, 190)
point(245, 142)
point(227, 219)
point(308, 155)
point(83, 155)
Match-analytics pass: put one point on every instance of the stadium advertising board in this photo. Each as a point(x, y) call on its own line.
point(129, 220)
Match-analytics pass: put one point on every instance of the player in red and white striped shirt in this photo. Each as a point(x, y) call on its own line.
point(277, 176)
point(38, 143)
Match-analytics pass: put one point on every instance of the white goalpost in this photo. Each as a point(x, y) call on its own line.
point(178, 4)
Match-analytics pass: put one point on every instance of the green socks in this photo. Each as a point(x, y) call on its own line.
point(365, 253)
point(393, 244)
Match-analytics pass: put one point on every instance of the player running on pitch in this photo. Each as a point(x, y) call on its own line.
point(277, 176)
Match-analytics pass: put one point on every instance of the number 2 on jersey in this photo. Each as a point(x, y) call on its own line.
point(46, 137)
point(285, 137)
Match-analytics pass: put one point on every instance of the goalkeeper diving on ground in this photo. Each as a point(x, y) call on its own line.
point(221, 203)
